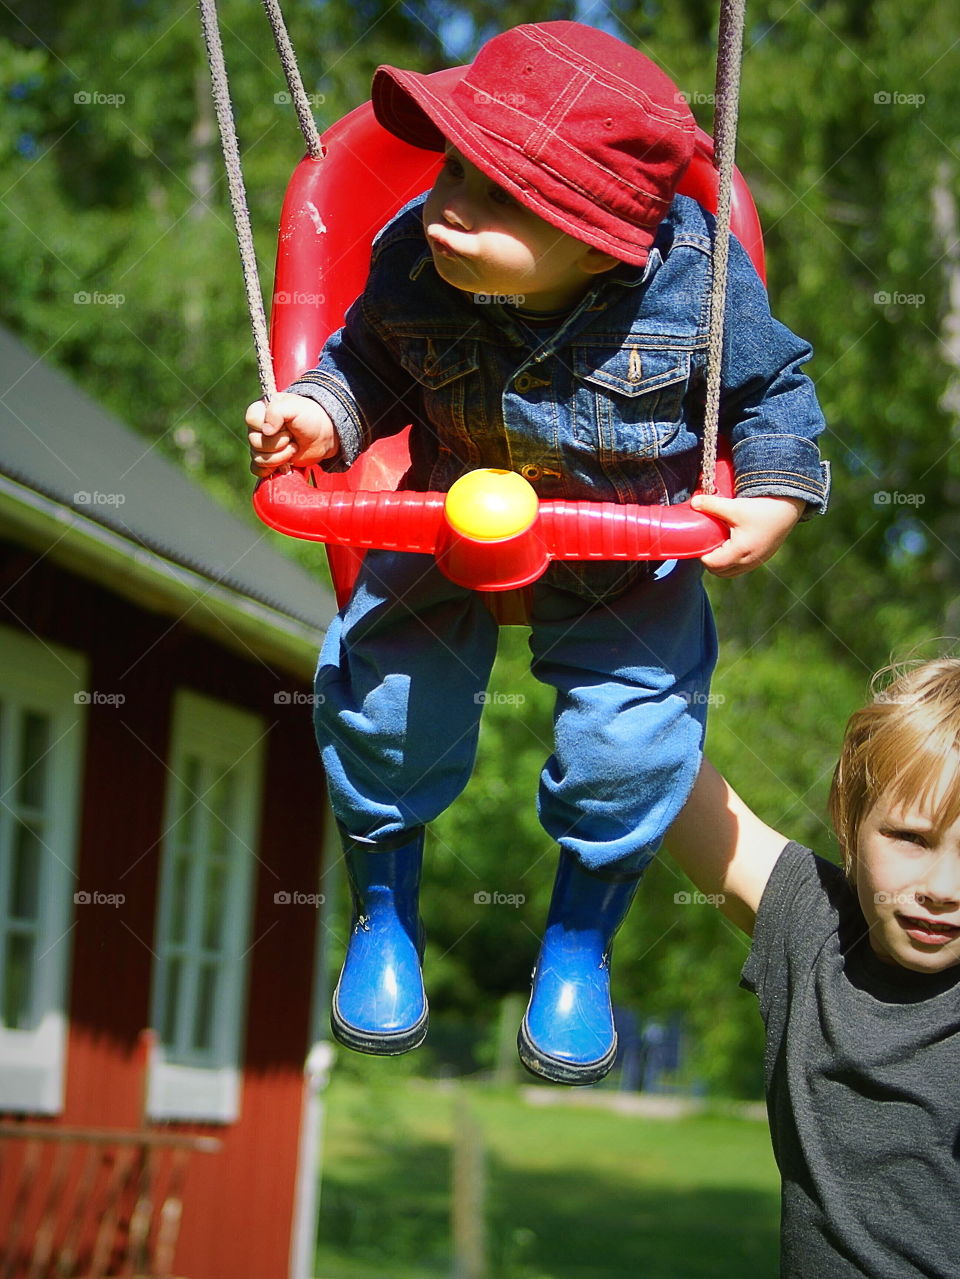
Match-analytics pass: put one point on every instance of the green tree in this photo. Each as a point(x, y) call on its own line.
point(119, 261)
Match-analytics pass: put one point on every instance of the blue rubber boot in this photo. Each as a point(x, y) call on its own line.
point(379, 1005)
point(568, 1034)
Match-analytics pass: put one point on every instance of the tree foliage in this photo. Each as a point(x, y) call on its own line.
point(118, 263)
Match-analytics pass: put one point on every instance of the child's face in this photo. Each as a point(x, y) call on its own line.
point(484, 242)
point(908, 882)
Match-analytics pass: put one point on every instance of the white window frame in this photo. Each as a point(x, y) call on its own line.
point(47, 678)
point(184, 1083)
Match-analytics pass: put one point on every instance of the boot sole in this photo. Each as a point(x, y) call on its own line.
point(556, 1069)
point(379, 1043)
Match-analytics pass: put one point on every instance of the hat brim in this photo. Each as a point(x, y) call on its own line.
point(402, 101)
point(418, 109)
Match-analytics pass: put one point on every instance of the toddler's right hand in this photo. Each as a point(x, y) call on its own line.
point(289, 430)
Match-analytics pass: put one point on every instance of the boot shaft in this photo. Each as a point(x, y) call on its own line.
point(584, 903)
point(385, 882)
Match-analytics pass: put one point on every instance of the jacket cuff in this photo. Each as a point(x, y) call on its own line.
point(330, 395)
point(782, 466)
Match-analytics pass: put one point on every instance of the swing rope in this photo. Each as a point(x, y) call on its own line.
point(729, 59)
point(288, 60)
point(726, 110)
point(238, 195)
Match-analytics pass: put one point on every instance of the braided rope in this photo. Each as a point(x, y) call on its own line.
point(238, 195)
point(288, 60)
point(729, 57)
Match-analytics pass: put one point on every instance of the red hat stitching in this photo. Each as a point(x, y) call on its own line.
point(579, 127)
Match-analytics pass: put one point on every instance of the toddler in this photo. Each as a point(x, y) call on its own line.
point(543, 309)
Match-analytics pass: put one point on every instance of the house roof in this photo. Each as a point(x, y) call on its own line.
point(109, 495)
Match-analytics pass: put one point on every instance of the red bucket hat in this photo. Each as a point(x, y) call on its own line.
point(579, 127)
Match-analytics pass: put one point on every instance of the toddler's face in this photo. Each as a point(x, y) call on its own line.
point(908, 882)
point(484, 242)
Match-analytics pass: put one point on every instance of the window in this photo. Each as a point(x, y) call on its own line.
point(42, 724)
point(203, 910)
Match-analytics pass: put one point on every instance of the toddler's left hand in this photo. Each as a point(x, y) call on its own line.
point(758, 528)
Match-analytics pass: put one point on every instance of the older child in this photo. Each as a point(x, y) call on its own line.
point(544, 308)
point(858, 976)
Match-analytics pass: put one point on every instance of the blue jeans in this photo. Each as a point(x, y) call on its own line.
point(402, 680)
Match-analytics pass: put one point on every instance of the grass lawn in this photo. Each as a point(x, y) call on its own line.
point(571, 1192)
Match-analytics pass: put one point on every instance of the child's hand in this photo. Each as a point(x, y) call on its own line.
point(290, 429)
point(758, 528)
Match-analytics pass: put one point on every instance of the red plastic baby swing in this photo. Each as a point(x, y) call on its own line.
point(335, 203)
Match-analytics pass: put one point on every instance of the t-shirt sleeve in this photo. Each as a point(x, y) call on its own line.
point(797, 914)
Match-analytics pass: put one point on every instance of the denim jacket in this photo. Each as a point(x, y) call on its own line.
point(606, 406)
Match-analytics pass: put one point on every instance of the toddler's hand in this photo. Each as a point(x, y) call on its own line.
point(758, 528)
point(290, 429)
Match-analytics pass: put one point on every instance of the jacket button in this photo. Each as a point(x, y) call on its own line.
point(530, 471)
point(523, 382)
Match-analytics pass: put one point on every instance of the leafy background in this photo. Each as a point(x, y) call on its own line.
point(111, 187)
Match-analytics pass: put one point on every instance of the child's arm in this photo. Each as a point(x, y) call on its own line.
point(758, 528)
point(724, 846)
point(289, 429)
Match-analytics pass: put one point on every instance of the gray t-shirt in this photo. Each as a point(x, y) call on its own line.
point(862, 1068)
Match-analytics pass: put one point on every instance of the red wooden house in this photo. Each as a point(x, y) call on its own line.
point(162, 830)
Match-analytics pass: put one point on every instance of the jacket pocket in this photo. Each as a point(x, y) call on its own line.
point(435, 362)
point(447, 372)
point(631, 370)
point(630, 399)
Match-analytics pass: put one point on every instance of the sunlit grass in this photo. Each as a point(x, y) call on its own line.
point(571, 1192)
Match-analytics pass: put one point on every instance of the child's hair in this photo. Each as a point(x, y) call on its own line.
point(898, 744)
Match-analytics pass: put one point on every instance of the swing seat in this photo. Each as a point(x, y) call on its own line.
point(333, 208)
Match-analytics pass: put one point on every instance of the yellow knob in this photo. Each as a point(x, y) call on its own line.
point(488, 505)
